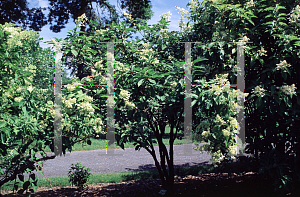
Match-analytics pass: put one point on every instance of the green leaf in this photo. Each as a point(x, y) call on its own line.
point(16, 187)
point(194, 102)
point(24, 110)
point(25, 185)
point(2, 124)
point(74, 52)
point(21, 177)
point(152, 81)
point(140, 82)
point(22, 102)
point(138, 147)
point(21, 191)
point(277, 99)
point(199, 59)
point(284, 75)
point(258, 102)
point(89, 142)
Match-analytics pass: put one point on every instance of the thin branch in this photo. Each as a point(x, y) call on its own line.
point(16, 172)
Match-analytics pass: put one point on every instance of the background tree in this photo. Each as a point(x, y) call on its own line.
point(61, 11)
point(18, 12)
point(271, 74)
point(140, 9)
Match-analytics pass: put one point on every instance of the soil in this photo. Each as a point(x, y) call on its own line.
point(204, 185)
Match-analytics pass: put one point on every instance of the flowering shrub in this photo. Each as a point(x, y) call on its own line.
point(78, 175)
point(27, 110)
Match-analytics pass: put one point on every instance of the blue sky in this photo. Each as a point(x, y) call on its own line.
point(158, 7)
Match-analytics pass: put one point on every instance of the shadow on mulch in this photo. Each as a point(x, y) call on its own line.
point(248, 183)
point(206, 185)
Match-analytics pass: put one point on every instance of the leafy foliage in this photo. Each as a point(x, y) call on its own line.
point(27, 110)
point(271, 74)
point(144, 102)
point(78, 175)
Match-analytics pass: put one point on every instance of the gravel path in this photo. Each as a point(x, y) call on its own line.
point(131, 160)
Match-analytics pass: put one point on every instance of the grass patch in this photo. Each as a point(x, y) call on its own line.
point(100, 143)
point(112, 177)
point(244, 164)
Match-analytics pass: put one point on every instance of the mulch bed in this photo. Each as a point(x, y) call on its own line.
point(248, 184)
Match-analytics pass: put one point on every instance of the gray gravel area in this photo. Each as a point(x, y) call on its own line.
point(131, 160)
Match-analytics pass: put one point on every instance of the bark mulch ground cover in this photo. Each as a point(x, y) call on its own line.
point(247, 184)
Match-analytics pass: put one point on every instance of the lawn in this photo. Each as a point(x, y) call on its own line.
point(100, 143)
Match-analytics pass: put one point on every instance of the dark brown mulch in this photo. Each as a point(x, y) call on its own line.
point(248, 184)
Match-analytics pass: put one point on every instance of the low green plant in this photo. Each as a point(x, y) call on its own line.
point(78, 175)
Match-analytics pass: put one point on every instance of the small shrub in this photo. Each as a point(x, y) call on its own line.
point(78, 175)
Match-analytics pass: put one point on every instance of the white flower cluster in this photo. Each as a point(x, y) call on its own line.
point(81, 20)
point(70, 88)
point(87, 107)
point(232, 150)
point(216, 157)
point(30, 88)
point(12, 30)
point(250, 4)
point(283, 65)
point(101, 31)
point(259, 91)
point(145, 51)
point(120, 66)
point(234, 107)
point(222, 80)
point(295, 15)
point(129, 16)
point(232, 122)
point(226, 132)
point(103, 80)
point(69, 103)
point(98, 128)
point(193, 5)
point(166, 16)
point(205, 134)
point(226, 87)
point(124, 94)
point(174, 84)
point(20, 89)
point(183, 14)
point(98, 65)
point(98, 121)
point(17, 37)
point(219, 121)
point(288, 89)
point(245, 39)
point(18, 99)
point(262, 52)
point(52, 112)
point(215, 89)
point(88, 98)
point(129, 105)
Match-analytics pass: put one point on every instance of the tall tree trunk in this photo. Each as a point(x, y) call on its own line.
point(171, 166)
